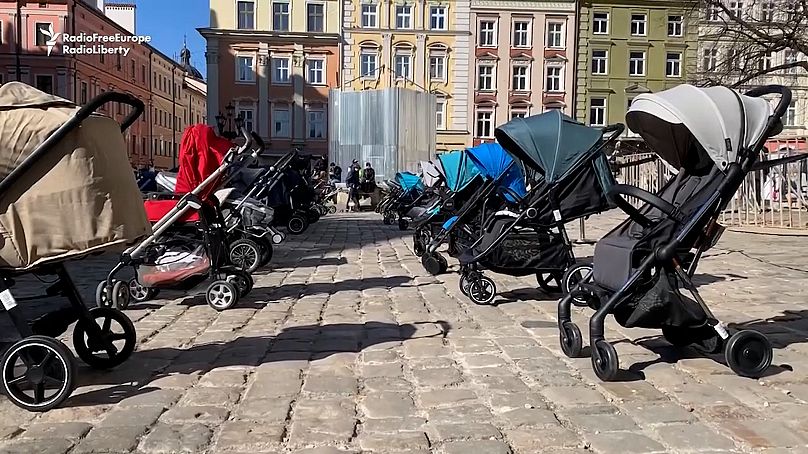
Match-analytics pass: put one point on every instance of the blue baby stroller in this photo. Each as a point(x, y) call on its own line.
point(406, 188)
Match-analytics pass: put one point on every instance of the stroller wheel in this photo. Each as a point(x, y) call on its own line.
point(604, 360)
point(313, 215)
point(572, 276)
point(387, 220)
point(278, 238)
point(549, 282)
point(243, 281)
point(332, 209)
point(749, 353)
point(245, 255)
point(482, 291)
point(465, 283)
point(38, 373)
point(117, 295)
point(571, 340)
point(418, 244)
point(403, 224)
point(297, 225)
point(106, 340)
point(266, 250)
point(139, 293)
point(221, 295)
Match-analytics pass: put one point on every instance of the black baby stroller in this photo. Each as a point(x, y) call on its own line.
point(67, 191)
point(713, 136)
point(528, 235)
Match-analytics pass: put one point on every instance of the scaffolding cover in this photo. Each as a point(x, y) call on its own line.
point(392, 129)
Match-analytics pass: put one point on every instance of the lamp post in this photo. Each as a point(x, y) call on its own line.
point(228, 125)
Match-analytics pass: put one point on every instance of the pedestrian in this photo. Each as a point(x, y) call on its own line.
point(368, 180)
point(335, 173)
point(352, 181)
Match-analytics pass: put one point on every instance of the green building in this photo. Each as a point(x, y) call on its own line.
point(629, 47)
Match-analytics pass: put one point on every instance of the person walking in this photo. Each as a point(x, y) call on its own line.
point(353, 181)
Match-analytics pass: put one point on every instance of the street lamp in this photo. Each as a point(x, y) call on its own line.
point(228, 126)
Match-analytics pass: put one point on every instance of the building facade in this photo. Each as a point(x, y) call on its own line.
point(417, 44)
point(524, 53)
point(274, 62)
point(79, 78)
point(626, 48)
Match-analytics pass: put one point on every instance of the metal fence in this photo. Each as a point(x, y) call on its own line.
point(393, 129)
point(773, 197)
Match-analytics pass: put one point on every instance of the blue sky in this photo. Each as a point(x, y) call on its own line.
point(167, 21)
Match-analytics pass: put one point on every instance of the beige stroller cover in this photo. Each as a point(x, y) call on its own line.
point(81, 197)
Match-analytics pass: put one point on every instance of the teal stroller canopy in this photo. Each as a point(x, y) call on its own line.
point(495, 163)
point(458, 169)
point(409, 181)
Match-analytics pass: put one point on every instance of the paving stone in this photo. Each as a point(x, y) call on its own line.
point(206, 396)
point(330, 384)
point(565, 396)
point(385, 443)
point(550, 438)
point(8, 432)
point(109, 440)
point(393, 425)
point(692, 437)
point(154, 398)
point(224, 378)
point(659, 413)
point(272, 411)
point(68, 430)
point(246, 436)
point(469, 431)
point(388, 405)
point(39, 446)
point(445, 397)
point(477, 446)
point(623, 443)
point(176, 438)
point(763, 434)
point(141, 417)
point(603, 422)
point(195, 414)
point(437, 378)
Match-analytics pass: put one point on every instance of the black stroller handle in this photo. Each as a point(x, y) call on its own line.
point(82, 114)
point(616, 128)
point(258, 141)
point(784, 92)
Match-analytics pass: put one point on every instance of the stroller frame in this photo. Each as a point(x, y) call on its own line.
point(93, 335)
point(704, 225)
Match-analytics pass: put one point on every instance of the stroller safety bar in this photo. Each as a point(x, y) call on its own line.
point(81, 115)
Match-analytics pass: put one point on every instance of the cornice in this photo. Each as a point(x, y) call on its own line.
point(523, 5)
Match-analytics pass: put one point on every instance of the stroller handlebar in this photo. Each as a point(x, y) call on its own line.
point(782, 104)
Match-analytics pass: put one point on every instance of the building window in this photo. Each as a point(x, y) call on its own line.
point(765, 62)
point(518, 112)
point(521, 78)
point(555, 35)
point(83, 95)
point(370, 16)
point(673, 64)
point(485, 77)
point(675, 26)
point(437, 67)
point(767, 11)
point(488, 33)
point(315, 71)
point(600, 23)
point(404, 16)
point(281, 122)
point(143, 73)
point(132, 67)
point(437, 17)
point(45, 83)
point(244, 69)
point(638, 24)
point(280, 16)
point(710, 58)
point(597, 112)
point(403, 66)
point(790, 118)
point(314, 17)
point(485, 122)
point(246, 15)
point(790, 58)
point(521, 34)
point(600, 62)
point(554, 81)
point(280, 70)
point(316, 126)
point(713, 13)
point(440, 114)
point(368, 61)
point(42, 38)
point(736, 8)
point(1, 32)
point(636, 63)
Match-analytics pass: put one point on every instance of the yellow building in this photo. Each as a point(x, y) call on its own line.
point(416, 44)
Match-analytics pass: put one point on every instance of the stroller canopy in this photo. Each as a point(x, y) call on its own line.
point(493, 163)
point(201, 153)
point(409, 181)
point(719, 119)
point(431, 174)
point(459, 170)
point(551, 143)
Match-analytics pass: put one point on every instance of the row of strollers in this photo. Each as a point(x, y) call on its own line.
point(68, 192)
point(503, 207)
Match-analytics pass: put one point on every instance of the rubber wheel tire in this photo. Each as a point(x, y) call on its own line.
point(749, 353)
point(545, 282)
point(465, 283)
point(245, 254)
point(482, 291)
point(571, 340)
point(267, 250)
point(332, 209)
point(442, 263)
point(243, 281)
point(605, 362)
point(418, 246)
point(431, 264)
point(221, 295)
point(387, 221)
point(297, 225)
point(88, 345)
point(403, 224)
point(312, 215)
point(101, 298)
point(572, 276)
point(49, 349)
point(139, 293)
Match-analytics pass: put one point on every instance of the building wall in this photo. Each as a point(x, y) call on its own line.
point(418, 41)
point(617, 87)
point(286, 111)
point(533, 53)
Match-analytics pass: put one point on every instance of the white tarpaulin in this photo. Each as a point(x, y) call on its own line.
point(430, 174)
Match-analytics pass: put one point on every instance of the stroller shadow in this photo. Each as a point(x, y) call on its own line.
point(305, 263)
point(525, 294)
point(298, 343)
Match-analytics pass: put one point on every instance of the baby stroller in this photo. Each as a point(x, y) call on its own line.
point(407, 187)
point(713, 137)
point(289, 195)
point(67, 192)
point(529, 235)
point(189, 244)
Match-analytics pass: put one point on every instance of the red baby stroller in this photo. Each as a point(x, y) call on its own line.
point(189, 244)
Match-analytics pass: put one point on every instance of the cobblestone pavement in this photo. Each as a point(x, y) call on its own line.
point(348, 346)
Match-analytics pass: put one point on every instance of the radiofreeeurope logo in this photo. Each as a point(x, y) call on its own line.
point(91, 43)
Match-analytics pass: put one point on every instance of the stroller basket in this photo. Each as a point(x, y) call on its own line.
point(174, 266)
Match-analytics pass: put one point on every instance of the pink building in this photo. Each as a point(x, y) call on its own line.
point(522, 61)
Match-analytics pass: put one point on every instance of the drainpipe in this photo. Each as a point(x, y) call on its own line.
point(173, 117)
point(75, 66)
point(19, 39)
point(575, 45)
point(341, 44)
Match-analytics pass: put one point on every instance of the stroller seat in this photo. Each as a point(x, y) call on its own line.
point(157, 209)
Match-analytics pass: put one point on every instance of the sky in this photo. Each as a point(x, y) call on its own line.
point(168, 21)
